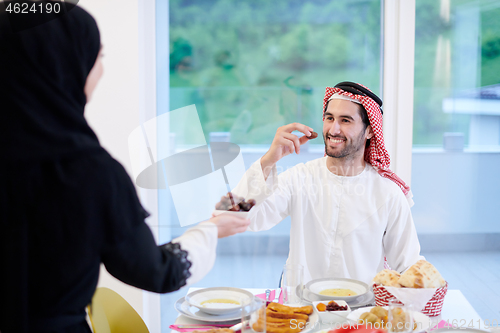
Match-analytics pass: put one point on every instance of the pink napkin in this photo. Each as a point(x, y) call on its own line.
point(204, 327)
point(442, 324)
point(272, 296)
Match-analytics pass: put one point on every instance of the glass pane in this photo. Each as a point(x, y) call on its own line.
point(456, 151)
point(250, 67)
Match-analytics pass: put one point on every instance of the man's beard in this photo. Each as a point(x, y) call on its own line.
point(350, 147)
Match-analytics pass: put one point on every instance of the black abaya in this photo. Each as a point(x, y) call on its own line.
point(65, 204)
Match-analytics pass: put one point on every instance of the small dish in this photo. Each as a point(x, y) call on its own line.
point(332, 316)
point(320, 285)
point(228, 212)
point(219, 300)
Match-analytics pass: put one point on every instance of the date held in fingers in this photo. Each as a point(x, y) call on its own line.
point(313, 135)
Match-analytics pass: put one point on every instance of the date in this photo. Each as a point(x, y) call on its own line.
point(313, 135)
point(234, 203)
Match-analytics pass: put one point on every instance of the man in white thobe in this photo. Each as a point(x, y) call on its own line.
point(348, 210)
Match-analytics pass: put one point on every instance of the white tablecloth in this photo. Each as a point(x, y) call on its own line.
point(456, 310)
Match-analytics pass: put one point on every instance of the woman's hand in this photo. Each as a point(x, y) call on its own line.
point(228, 225)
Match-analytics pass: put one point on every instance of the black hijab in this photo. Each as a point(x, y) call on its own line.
point(45, 197)
point(44, 70)
point(66, 205)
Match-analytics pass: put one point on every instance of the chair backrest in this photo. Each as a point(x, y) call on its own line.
point(110, 313)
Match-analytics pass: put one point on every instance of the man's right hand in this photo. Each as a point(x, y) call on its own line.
point(284, 144)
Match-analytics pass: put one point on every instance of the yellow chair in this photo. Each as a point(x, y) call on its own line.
point(110, 313)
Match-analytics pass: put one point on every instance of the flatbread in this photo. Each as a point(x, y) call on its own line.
point(422, 275)
point(388, 278)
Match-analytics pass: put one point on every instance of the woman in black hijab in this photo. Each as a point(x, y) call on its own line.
point(65, 204)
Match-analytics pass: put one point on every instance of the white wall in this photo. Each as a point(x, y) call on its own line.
point(113, 111)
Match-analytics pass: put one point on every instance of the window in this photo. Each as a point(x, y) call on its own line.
point(456, 139)
point(250, 67)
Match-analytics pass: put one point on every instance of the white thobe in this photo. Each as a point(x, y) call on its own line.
point(340, 226)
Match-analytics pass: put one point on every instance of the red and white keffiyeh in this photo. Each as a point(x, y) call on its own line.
point(375, 154)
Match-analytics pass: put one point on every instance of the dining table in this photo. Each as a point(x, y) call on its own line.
point(456, 311)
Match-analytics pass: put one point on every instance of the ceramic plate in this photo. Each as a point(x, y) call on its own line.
point(219, 300)
point(458, 329)
point(193, 312)
point(318, 285)
point(366, 299)
point(423, 322)
point(239, 214)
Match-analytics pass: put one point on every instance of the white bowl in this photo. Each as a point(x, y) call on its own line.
point(200, 297)
point(332, 316)
point(317, 286)
point(228, 212)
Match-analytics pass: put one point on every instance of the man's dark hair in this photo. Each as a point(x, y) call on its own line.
point(366, 122)
point(364, 115)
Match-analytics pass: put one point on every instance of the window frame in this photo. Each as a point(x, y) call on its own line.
point(151, 309)
point(398, 83)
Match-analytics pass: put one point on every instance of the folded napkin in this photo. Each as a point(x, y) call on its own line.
point(417, 297)
point(441, 324)
point(190, 328)
point(272, 296)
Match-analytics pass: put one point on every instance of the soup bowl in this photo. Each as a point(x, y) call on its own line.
point(337, 289)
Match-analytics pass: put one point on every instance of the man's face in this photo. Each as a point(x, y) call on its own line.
point(343, 130)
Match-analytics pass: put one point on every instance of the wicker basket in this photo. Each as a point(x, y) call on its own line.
point(431, 309)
